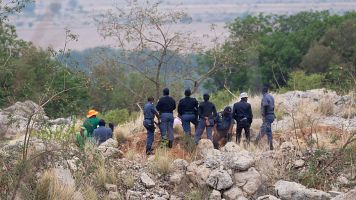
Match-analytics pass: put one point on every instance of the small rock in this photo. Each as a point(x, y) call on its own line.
point(233, 193)
point(133, 195)
point(198, 174)
point(299, 163)
point(238, 161)
point(294, 191)
point(176, 178)
point(179, 165)
point(250, 180)
point(147, 181)
point(203, 146)
point(287, 146)
point(219, 179)
point(343, 180)
point(335, 193)
point(64, 176)
point(110, 187)
point(114, 195)
point(215, 195)
point(267, 197)
point(231, 147)
point(348, 196)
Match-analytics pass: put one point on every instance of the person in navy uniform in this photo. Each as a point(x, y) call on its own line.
point(268, 116)
point(149, 112)
point(165, 106)
point(242, 113)
point(207, 114)
point(188, 111)
point(224, 125)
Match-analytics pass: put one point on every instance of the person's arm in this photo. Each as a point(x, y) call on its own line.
point(200, 111)
point(159, 105)
point(174, 104)
point(215, 114)
point(250, 114)
point(180, 111)
point(234, 112)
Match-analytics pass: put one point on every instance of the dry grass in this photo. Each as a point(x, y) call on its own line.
point(49, 188)
point(162, 162)
point(120, 136)
point(131, 127)
point(103, 176)
point(89, 193)
point(326, 107)
point(127, 180)
point(131, 155)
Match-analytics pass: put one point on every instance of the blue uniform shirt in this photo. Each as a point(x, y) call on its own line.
point(224, 122)
point(149, 111)
point(267, 105)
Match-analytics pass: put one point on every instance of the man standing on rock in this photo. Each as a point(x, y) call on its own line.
point(267, 112)
point(149, 112)
point(188, 111)
point(207, 114)
point(165, 106)
point(92, 122)
point(242, 113)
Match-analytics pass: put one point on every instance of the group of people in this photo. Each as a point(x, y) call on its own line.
point(94, 130)
point(205, 117)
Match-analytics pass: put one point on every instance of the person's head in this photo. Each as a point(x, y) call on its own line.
point(206, 97)
point(150, 99)
point(165, 91)
point(102, 122)
point(264, 89)
point(244, 96)
point(92, 113)
point(227, 110)
point(111, 125)
point(187, 92)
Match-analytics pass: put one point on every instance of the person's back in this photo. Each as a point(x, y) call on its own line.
point(188, 105)
point(242, 110)
point(166, 104)
point(102, 133)
point(224, 122)
point(267, 104)
point(207, 109)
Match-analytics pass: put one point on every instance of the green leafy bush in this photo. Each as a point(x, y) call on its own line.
point(301, 81)
point(118, 116)
point(222, 98)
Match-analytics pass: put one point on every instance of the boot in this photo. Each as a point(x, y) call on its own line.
point(170, 144)
point(271, 146)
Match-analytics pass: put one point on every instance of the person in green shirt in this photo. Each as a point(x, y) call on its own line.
point(81, 137)
point(92, 122)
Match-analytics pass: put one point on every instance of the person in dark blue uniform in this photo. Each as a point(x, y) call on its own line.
point(149, 112)
point(267, 112)
point(165, 106)
point(224, 125)
point(207, 113)
point(188, 111)
point(242, 113)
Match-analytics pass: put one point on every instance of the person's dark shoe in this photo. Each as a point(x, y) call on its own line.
point(271, 147)
point(150, 152)
point(170, 144)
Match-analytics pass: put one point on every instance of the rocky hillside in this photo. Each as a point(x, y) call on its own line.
point(313, 159)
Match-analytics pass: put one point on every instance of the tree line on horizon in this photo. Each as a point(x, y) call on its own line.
point(298, 52)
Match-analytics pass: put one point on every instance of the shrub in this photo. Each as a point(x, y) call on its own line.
point(162, 162)
point(119, 116)
point(104, 176)
point(300, 81)
point(120, 136)
point(198, 194)
point(326, 107)
point(221, 99)
point(89, 193)
point(188, 144)
point(127, 179)
point(49, 187)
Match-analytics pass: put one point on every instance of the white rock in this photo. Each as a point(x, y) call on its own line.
point(114, 195)
point(231, 147)
point(215, 195)
point(343, 180)
point(198, 174)
point(295, 191)
point(176, 178)
point(351, 195)
point(64, 176)
point(110, 143)
point(219, 180)
point(287, 146)
point(238, 161)
point(233, 193)
point(179, 165)
point(147, 181)
point(299, 163)
point(250, 181)
point(203, 148)
point(111, 187)
point(133, 195)
point(267, 197)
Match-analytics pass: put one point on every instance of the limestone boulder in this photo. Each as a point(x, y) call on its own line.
point(250, 181)
point(219, 180)
point(294, 191)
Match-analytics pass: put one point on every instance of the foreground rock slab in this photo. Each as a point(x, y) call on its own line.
point(294, 191)
point(147, 181)
point(348, 196)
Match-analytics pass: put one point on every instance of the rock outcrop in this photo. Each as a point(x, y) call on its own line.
point(295, 191)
